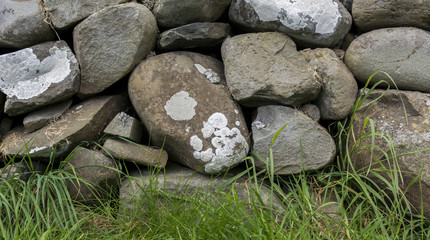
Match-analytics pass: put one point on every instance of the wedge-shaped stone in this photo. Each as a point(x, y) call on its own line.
point(125, 126)
point(83, 122)
point(38, 76)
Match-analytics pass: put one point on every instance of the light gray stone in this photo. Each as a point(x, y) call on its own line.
point(182, 100)
point(266, 68)
point(108, 47)
point(375, 14)
point(83, 122)
point(125, 126)
point(302, 145)
point(409, 137)
point(22, 24)
point(339, 88)
point(136, 153)
point(38, 76)
point(40, 118)
point(308, 22)
point(67, 13)
point(311, 111)
point(194, 35)
point(100, 175)
point(173, 13)
point(183, 182)
point(403, 53)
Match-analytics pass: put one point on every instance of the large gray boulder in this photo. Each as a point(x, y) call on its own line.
point(374, 14)
point(303, 145)
point(67, 13)
point(409, 135)
point(83, 122)
point(266, 68)
point(22, 24)
point(108, 46)
point(142, 187)
point(312, 23)
point(174, 13)
point(339, 88)
point(194, 35)
point(100, 175)
point(38, 76)
point(403, 53)
point(183, 102)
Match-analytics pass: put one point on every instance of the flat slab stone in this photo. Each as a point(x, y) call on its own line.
point(38, 76)
point(303, 145)
point(67, 13)
point(309, 22)
point(125, 126)
point(105, 59)
point(40, 118)
point(403, 53)
point(83, 122)
point(136, 153)
point(194, 35)
point(265, 68)
point(22, 24)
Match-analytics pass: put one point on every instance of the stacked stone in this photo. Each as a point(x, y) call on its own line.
point(191, 84)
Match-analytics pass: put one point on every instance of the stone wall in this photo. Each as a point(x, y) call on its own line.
point(209, 81)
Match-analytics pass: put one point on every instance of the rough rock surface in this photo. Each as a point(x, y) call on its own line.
point(185, 182)
point(22, 24)
point(173, 13)
point(302, 145)
point(83, 122)
point(183, 102)
point(312, 23)
point(38, 119)
point(125, 126)
point(67, 13)
point(136, 153)
point(105, 59)
point(100, 175)
point(38, 76)
point(413, 135)
point(194, 35)
point(374, 14)
point(339, 88)
point(311, 111)
point(266, 68)
point(403, 53)
point(21, 170)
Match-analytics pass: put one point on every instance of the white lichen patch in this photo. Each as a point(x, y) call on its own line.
point(228, 145)
point(259, 125)
point(181, 106)
point(210, 74)
point(299, 14)
point(236, 111)
point(37, 149)
point(24, 76)
point(237, 123)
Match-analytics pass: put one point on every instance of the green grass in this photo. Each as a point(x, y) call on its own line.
point(338, 202)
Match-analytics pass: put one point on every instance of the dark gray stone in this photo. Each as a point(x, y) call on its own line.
point(302, 145)
point(34, 77)
point(308, 22)
point(125, 126)
point(21, 170)
point(374, 14)
point(67, 13)
point(22, 24)
point(83, 122)
point(339, 88)
point(173, 13)
point(183, 102)
point(99, 173)
point(409, 137)
point(403, 53)
point(266, 68)
point(136, 153)
point(38, 119)
point(108, 46)
point(194, 35)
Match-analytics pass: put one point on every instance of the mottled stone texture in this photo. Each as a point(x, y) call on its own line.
point(183, 102)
